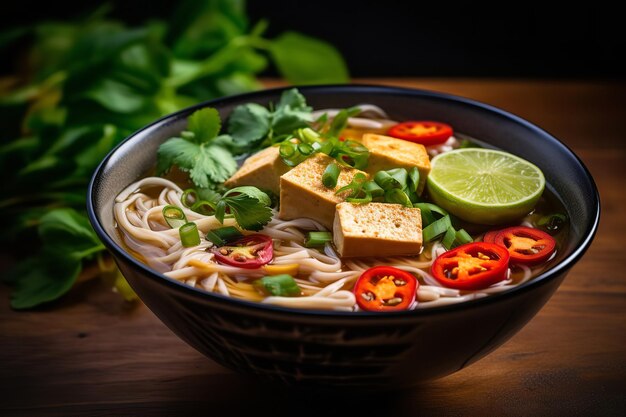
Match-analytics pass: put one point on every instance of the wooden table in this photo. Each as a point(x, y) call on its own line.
point(91, 355)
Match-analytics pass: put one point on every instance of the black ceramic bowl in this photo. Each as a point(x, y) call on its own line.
point(348, 349)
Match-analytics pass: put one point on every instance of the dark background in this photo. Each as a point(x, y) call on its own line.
point(409, 38)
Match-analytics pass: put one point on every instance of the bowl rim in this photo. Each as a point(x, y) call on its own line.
point(258, 307)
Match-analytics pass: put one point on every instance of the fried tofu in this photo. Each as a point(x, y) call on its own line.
point(302, 193)
point(377, 229)
point(262, 170)
point(387, 153)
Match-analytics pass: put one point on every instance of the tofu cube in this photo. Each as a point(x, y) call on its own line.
point(262, 170)
point(377, 229)
point(302, 193)
point(387, 153)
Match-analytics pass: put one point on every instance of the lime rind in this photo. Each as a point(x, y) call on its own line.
point(484, 185)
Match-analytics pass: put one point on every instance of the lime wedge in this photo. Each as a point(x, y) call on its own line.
point(484, 185)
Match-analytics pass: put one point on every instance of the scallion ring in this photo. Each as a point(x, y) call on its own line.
point(189, 235)
point(174, 216)
point(330, 176)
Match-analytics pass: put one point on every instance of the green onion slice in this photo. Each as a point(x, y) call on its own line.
point(454, 238)
point(432, 208)
point(414, 179)
point(448, 238)
point(189, 197)
point(315, 239)
point(393, 178)
point(174, 216)
point(436, 229)
point(203, 207)
point(305, 149)
point(374, 189)
point(223, 235)
point(397, 196)
point(287, 149)
point(360, 200)
point(280, 285)
point(330, 176)
point(189, 235)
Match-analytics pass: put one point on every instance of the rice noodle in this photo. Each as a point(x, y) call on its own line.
point(325, 279)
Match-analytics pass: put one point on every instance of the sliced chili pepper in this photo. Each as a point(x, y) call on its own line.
point(472, 266)
point(250, 252)
point(490, 236)
point(526, 245)
point(425, 132)
point(385, 288)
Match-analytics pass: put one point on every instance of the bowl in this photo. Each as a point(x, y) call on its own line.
point(341, 349)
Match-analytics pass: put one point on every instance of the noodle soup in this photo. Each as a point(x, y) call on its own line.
point(396, 231)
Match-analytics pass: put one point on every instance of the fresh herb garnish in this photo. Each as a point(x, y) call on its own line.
point(250, 206)
point(200, 151)
point(252, 126)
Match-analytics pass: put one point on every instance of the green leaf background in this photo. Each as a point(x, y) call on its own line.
point(86, 85)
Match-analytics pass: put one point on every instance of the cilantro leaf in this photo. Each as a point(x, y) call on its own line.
point(294, 99)
point(252, 125)
point(291, 113)
point(249, 205)
point(249, 123)
point(206, 157)
point(205, 124)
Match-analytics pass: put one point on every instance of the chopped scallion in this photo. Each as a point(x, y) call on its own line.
point(432, 208)
point(189, 235)
point(454, 238)
point(223, 235)
point(330, 176)
point(448, 238)
point(174, 216)
point(413, 180)
point(374, 189)
point(462, 237)
point(279, 285)
point(315, 239)
point(436, 229)
point(393, 178)
point(397, 196)
point(189, 197)
point(203, 207)
point(305, 149)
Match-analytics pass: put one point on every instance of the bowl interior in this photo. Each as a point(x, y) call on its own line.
point(566, 176)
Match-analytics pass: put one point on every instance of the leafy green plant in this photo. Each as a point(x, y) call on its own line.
point(84, 86)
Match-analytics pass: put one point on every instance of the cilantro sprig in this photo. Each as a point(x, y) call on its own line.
point(200, 150)
point(253, 126)
point(249, 205)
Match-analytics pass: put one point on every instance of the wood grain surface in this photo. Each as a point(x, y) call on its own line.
point(92, 355)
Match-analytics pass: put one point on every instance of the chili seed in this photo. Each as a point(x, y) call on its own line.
point(224, 251)
point(368, 296)
point(399, 282)
point(393, 301)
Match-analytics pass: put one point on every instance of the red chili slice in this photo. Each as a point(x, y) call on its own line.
point(249, 252)
point(385, 288)
point(472, 266)
point(425, 132)
point(490, 236)
point(526, 245)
